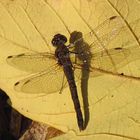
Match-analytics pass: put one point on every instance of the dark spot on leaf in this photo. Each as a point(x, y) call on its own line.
point(122, 74)
point(112, 96)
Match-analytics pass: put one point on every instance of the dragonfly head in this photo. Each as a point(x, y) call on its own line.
point(59, 40)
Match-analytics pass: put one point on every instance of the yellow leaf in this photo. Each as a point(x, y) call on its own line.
point(110, 96)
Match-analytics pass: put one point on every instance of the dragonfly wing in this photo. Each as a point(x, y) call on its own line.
point(108, 30)
point(32, 62)
point(48, 81)
point(119, 58)
point(101, 35)
point(115, 59)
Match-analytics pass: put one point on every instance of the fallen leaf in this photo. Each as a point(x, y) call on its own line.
point(112, 100)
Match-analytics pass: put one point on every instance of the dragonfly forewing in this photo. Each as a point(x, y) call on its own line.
point(32, 62)
point(102, 34)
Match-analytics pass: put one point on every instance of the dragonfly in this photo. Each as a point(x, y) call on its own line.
point(52, 72)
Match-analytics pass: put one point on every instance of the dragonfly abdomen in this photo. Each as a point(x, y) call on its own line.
point(76, 102)
point(70, 78)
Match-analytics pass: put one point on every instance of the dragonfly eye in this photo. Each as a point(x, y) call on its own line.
point(59, 40)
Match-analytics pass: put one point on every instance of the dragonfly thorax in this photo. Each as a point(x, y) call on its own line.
point(62, 53)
